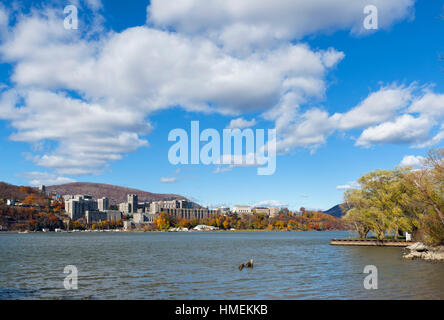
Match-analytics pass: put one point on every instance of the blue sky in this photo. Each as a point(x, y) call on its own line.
point(96, 104)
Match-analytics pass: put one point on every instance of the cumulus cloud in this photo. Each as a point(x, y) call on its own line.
point(37, 178)
point(241, 123)
point(379, 106)
point(405, 129)
point(395, 114)
point(93, 96)
point(241, 25)
point(415, 162)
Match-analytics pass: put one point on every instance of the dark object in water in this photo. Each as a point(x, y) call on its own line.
point(249, 264)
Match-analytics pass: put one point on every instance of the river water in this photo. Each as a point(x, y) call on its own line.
point(287, 265)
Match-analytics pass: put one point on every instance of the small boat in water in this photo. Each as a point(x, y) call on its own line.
point(26, 231)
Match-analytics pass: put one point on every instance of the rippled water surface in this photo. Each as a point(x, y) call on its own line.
point(288, 265)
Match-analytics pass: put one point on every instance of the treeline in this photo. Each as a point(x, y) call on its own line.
point(29, 218)
point(306, 221)
point(24, 194)
point(389, 202)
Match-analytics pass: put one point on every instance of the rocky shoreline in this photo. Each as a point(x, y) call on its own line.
point(419, 250)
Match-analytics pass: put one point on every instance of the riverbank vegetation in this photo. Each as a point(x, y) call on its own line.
point(32, 218)
point(304, 221)
point(389, 202)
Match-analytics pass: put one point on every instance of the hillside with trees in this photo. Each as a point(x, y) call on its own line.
point(115, 194)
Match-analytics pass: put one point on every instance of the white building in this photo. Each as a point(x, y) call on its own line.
point(223, 210)
point(274, 211)
point(241, 209)
point(103, 204)
point(262, 210)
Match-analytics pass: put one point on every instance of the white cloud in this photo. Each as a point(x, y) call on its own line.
point(89, 135)
point(349, 185)
point(379, 106)
point(308, 129)
point(394, 114)
point(91, 97)
point(405, 129)
point(4, 21)
point(119, 79)
point(241, 123)
point(168, 179)
point(94, 4)
point(433, 141)
point(242, 25)
point(429, 104)
point(270, 203)
point(415, 162)
point(38, 178)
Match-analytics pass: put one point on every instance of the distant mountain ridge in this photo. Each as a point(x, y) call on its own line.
point(115, 194)
point(336, 211)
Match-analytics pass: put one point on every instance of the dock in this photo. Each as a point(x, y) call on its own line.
point(370, 242)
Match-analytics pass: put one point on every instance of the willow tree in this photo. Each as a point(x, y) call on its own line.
point(357, 216)
point(429, 181)
point(377, 204)
point(424, 197)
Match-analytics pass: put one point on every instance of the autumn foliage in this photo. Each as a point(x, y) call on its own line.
point(307, 221)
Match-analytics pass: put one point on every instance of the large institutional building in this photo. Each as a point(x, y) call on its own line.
point(76, 206)
point(93, 211)
point(269, 211)
point(242, 209)
point(84, 206)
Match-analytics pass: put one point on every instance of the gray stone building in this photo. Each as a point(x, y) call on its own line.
point(74, 209)
point(98, 216)
point(144, 217)
point(133, 200)
point(125, 207)
point(113, 215)
point(158, 206)
point(95, 216)
point(76, 206)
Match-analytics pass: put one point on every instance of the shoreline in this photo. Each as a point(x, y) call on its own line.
point(161, 231)
point(371, 242)
point(420, 251)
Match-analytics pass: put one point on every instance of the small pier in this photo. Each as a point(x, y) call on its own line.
point(370, 242)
